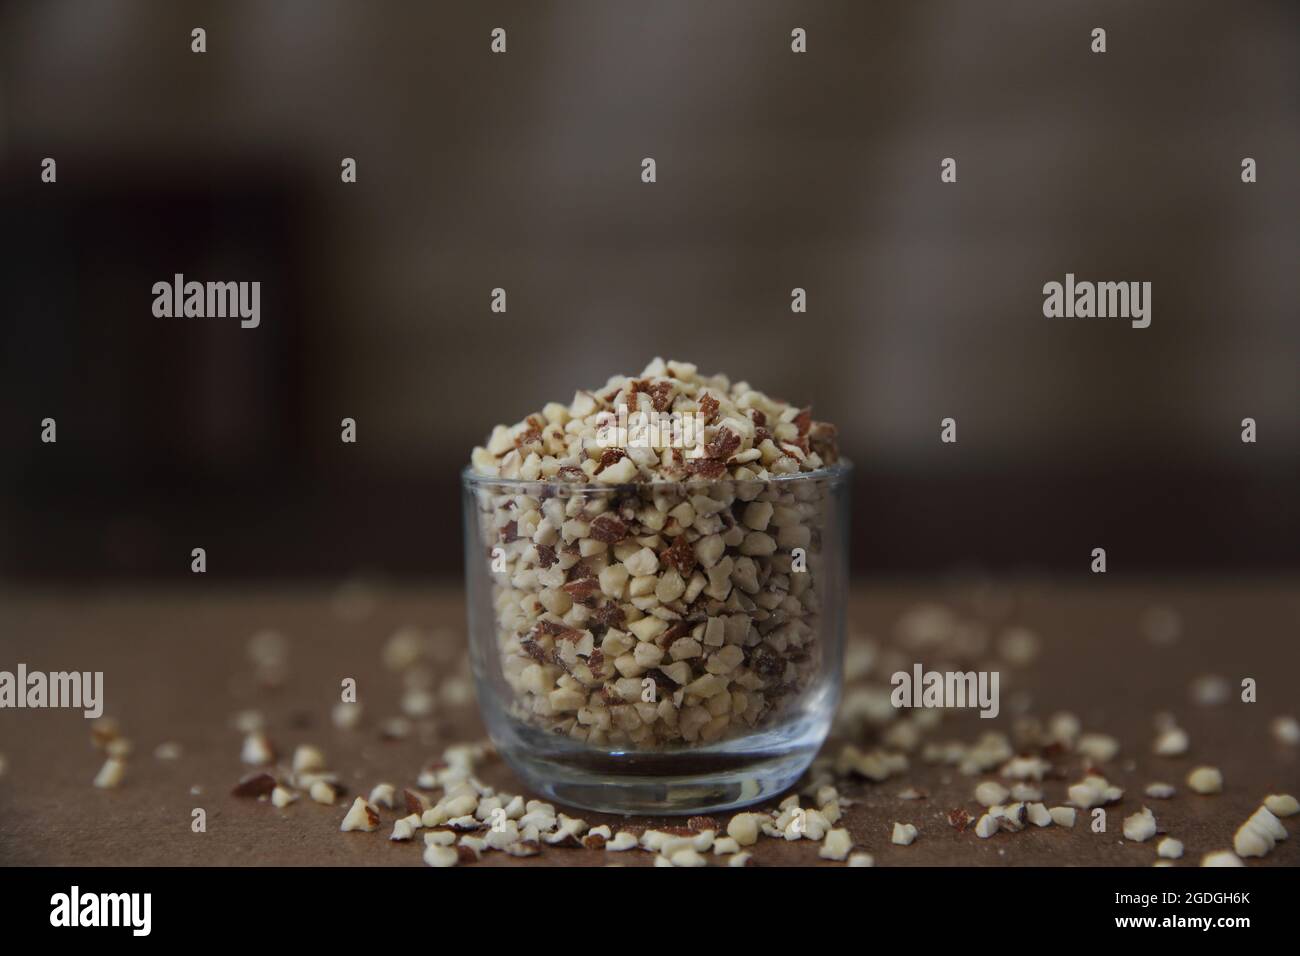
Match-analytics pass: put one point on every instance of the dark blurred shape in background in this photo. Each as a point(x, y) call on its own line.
point(522, 171)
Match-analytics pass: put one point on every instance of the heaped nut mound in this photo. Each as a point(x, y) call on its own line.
point(648, 596)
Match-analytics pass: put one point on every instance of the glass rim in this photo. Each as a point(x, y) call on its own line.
point(470, 479)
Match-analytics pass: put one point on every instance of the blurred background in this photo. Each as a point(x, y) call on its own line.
point(522, 171)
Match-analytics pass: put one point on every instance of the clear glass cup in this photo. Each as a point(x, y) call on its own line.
point(658, 648)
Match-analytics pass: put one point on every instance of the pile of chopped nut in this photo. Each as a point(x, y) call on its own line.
point(694, 571)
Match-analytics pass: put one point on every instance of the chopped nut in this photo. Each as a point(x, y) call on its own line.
point(1282, 804)
point(439, 837)
point(1171, 742)
point(308, 759)
point(1221, 858)
point(904, 834)
point(743, 828)
point(1063, 816)
point(1098, 747)
point(1160, 791)
point(724, 845)
point(346, 715)
point(986, 826)
point(322, 792)
point(1140, 826)
point(111, 774)
point(837, 844)
point(687, 856)
point(1210, 689)
point(623, 840)
point(739, 859)
point(404, 827)
point(1259, 834)
point(167, 751)
point(1169, 848)
point(281, 797)
point(254, 785)
point(990, 793)
point(862, 859)
point(1038, 814)
point(384, 795)
point(1205, 780)
point(257, 749)
point(362, 817)
point(1286, 730)
point(441, 856)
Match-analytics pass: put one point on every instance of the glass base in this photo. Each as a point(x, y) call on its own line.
point(721, 776)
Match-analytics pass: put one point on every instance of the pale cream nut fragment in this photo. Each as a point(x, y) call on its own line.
point(739, 859)
point(119, 747)
point(836, 846)
point(404, 828)
point(862, 859)
point(623, 840)
point(990, 793)
point(281, 797)
point(1205, 780)
point(1098, 747)
point(1063, 816)
point(687, 856)
point(1172, 742)
point(111, 774)
point(322, 792)
point(362, 816)
point(725, 845)
point(743, 828)
point(1259, 834)
point(440, 838)
point(383, 795)
point(1169, 848)
point(1038, 814)
point(986, 826)
point(1286, 730)
point(346, 715)
point(1140, 826)
point(1093, 791)
point(441, 856)
point(168, 750)
point(1160, 791)
point(308, 759)
point(257, 750)
point(1282, 804)
point(1221, 858)
point(904, 834)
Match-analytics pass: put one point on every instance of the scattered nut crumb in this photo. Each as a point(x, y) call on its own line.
point(1160, 791)
point(1171, 742)
point(111, 774)
point(904, 834)
point(1140, 826)
point(1282, 804)
point(862, 859)
point(385, 795)
point(1169, 848)
point(1286, 730)
point(1063, 816)
point(282, 796)
point(837, 844)
point(167, 751)
point(362, 816)
point(322, 792)
point(1205, 780)
point(441, 856)
point(257, 749)
point(1221, 858)
point(254, 785)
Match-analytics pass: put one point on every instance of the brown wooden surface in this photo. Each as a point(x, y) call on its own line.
point(176, 668)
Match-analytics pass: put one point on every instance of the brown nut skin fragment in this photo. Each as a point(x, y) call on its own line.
point(255, 785)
